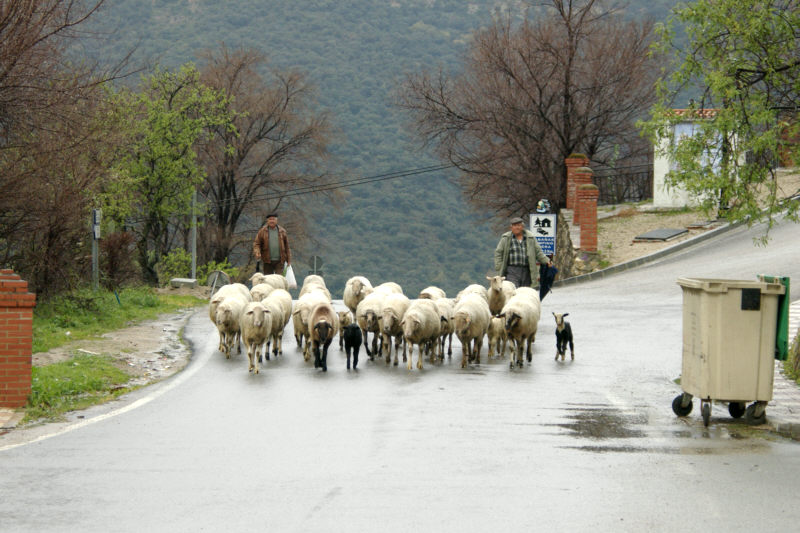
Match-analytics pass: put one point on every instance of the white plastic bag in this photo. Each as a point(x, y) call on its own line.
point(289, 274)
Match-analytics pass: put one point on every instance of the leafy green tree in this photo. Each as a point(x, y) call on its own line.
point(742, 58)
point(158, 171)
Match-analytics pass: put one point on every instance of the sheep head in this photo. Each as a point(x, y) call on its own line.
point(496, 282)
point(324, 330)
point(345, 318)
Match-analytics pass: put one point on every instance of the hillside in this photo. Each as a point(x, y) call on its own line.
point(417, 230)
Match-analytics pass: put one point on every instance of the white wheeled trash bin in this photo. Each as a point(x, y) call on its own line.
point(729, 330)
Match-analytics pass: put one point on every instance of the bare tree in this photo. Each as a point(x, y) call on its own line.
point(279, 145)
point(51, 146)
point(573, 79)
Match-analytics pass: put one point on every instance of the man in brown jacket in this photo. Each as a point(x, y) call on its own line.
point(271, 246)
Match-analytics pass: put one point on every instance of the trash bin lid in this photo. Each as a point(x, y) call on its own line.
point(723, 285)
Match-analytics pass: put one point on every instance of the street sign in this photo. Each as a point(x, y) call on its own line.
point(316, 265)
point(544, 229)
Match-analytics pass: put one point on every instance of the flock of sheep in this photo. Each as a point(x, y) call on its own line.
point(257, 317)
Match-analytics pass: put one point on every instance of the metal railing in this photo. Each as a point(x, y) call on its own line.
point(624, 184)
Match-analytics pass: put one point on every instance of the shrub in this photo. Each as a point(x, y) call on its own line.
point(208, 268)
point(176, 264)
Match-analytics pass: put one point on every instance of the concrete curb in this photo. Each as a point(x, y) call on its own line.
point(633, 263)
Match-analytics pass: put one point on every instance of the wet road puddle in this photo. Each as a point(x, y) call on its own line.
point(611, 430)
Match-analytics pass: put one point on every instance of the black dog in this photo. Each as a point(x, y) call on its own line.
point(352, 341)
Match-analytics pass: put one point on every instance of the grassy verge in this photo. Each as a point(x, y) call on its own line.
point(77, 383)
point(86, 314)
point(791, 366)
point(86, 380)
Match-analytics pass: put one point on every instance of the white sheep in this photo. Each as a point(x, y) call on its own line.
point(255, 325)
point(323, 323)
point(275, 280)
point(421, 326)
point(314, 282)
point(345, 319)
point(446, 308)
point(390, 287)
point(394, 307)
point(480, 290)
point(300, 318)
point(498, 338)
point(234, 289)
point(499, 292)
point(355, 290)
point(228, 318)
point(279, 302)
point(261, 291)
point(368, 314)
point(471, 321)
point(432, 293)
point(521, 316)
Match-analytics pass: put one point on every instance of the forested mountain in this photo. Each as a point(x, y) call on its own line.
point(414, 230)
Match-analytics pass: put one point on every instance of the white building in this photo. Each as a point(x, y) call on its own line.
point(674, 197)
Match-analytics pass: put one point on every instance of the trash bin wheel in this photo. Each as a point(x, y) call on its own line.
point(706, 411)
point(737, 409)
point(679, 408)
point(752, 417)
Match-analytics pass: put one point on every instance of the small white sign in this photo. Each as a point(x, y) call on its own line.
point(543, 228)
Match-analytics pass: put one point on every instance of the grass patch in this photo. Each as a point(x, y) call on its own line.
point(80, 382)
point(86, 314)
point(791, 367)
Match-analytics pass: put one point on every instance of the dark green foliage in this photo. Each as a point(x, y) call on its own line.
point(416, 231)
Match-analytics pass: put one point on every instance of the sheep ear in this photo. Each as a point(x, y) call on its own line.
point(553, 313)
point(565, 314)
point(488, 278)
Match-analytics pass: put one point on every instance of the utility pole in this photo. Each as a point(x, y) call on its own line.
point(194, 234)
point(96, 217)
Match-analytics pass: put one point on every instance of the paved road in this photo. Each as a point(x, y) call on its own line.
point(586, 444)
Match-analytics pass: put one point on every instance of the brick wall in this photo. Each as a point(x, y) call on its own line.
point(587, 195)
point(580, 176)
point(16, 339)
point(573, 163)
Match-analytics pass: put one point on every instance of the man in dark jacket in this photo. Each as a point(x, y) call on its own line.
point(517, 254)
point(271, 246)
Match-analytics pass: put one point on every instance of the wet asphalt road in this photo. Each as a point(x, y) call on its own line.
point(585, 445)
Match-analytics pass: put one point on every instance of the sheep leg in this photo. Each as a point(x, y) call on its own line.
point(355, 356)
point(386, 348)
point(478, 346)
point(410, 354)
point(375, 343)
point(419, 359)
point(529, 353)
point(324, 360)
point(364, 334)
point(464, 353)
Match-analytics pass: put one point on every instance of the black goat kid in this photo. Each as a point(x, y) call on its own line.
point(352, 341)
point(563, 337)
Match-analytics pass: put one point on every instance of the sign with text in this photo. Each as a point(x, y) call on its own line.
point(544, 228)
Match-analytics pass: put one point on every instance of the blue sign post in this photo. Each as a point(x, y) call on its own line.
point(543, 227)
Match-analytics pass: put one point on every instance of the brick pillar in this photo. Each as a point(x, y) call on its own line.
point(580, 176)
point(16, 339)
point(587, 195)
point(572, 163)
